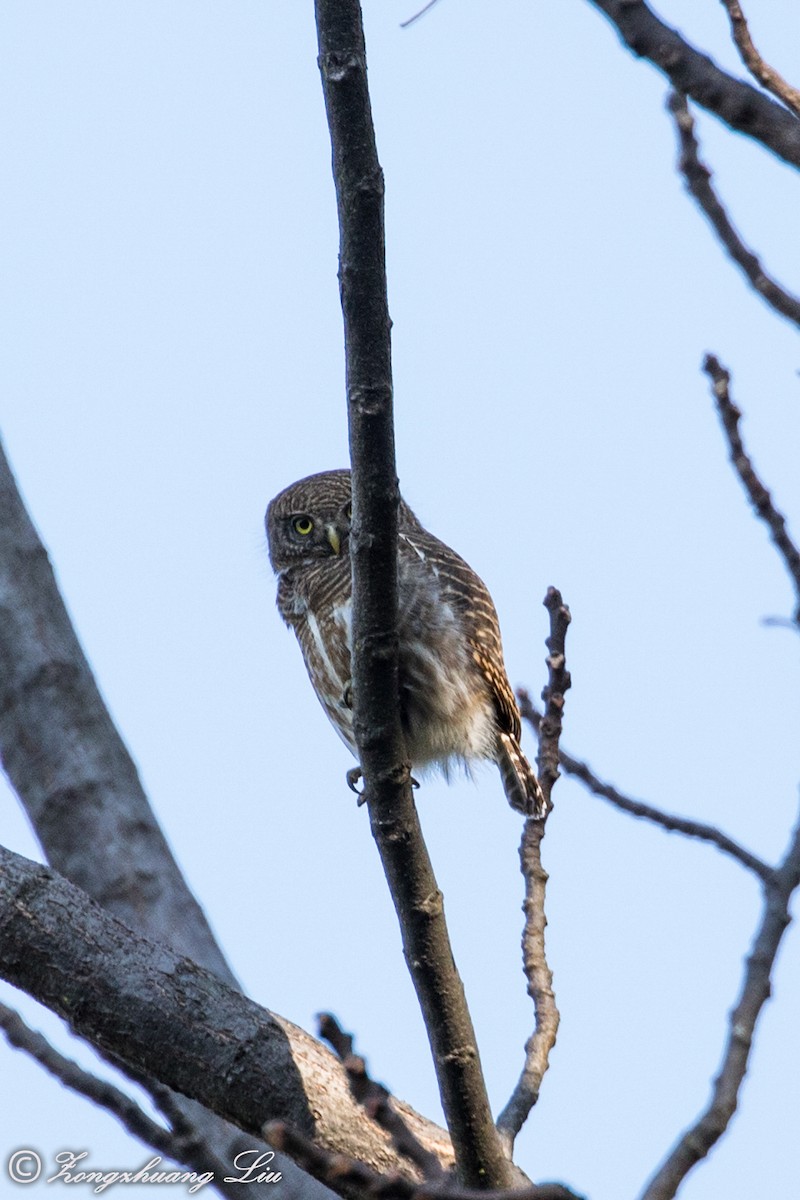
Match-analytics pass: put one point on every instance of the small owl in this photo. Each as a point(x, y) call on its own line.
point(456, 703)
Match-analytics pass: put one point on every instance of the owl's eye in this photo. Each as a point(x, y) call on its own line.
point(303, 525)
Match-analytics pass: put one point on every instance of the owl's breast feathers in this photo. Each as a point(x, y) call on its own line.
point(317, 604)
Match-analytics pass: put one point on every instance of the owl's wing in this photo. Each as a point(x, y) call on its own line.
point(470, 598)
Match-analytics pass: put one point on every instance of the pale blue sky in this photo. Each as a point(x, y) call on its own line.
point(174, 358)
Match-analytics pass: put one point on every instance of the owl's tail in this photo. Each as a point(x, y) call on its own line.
point(520, 784)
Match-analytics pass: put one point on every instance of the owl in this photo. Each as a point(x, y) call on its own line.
point(456, 704)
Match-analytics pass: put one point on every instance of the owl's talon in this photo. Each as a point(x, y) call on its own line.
point(347, 694)
point(352, 777)
point(414, 782)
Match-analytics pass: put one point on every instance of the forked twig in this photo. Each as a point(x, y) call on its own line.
point(740, 105)
point(766, 75)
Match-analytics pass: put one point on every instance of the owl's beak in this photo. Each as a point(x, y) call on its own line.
point(333, 538)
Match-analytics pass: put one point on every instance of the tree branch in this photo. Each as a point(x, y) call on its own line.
point(760, 498)
point(766, 75)
point(376, 1099)
point(76, 780)
point(382, 754)
point(168, 1018)
point(698, 1140)
point(104, 1094)
point(344, 1175)
point(738, 104)
point(698, 182)
point(637, 808)
point(534, 958)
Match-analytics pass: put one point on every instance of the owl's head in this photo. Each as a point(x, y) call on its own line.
point(309, 519)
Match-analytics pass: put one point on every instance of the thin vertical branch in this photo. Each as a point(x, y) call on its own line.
point(534, 958)
point(382, 754)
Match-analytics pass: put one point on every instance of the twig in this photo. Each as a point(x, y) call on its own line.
point(759, 496)
point(377, 1099)
point(741, 106)
point(760, 70)
point(637, 808)
point(99, 1091)
point(412, 20)
point(378, 731)
point(698, 181)
point(181, 1142)
point(534, 958)
point(346, 1176)
point(558, 683)
point(698, 1140)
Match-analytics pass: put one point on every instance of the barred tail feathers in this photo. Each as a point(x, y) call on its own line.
point(520, 784)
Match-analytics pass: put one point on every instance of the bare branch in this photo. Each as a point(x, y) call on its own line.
point(382, 754)
point(558, 683)
point(759, 496)
point(347, 1177)
point(534, 958)
point(766, 75)
point(425, 9)
point(698, 182)
point(376, 1099)
point(698, 1140)
point(165, 1017)
point(741, 106)
point(637, 808)
point(99, 1091)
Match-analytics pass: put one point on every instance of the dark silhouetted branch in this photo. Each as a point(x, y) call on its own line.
point(99, 1091)
point(382, 754)
point(347, 1177)
point(741, 106)
point(698, 182)
point(534, 958)
point(637, 808)
point(698, 1140)
point(760, 498)
point(377, 1099)
point(766, 75)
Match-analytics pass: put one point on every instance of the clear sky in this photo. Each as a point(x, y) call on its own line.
point(173, 358)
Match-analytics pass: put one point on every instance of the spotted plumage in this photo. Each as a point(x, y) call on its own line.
point(456, 703)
